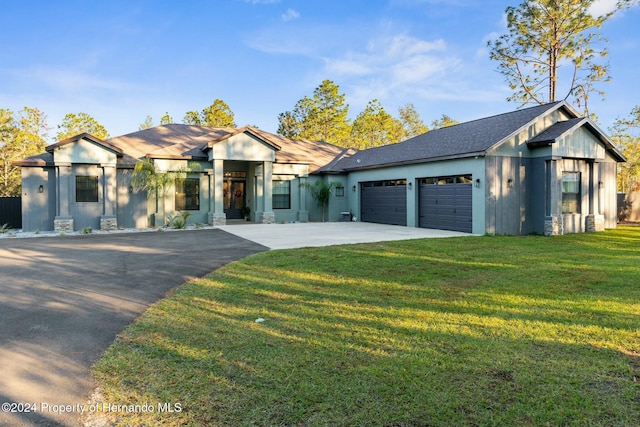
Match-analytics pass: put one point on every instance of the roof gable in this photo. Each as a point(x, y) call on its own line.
point(555, 136)
point(84, 148)
point(242, 144)
point(87, 137)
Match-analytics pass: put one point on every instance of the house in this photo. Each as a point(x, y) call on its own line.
point(543, 170)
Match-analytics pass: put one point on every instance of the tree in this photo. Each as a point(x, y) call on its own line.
point(626, 134)
point(166, 119)
point(375, 127)
point(545, 35)
point(218, 114)
point(192, 118)
point(444, 122)
point(19, 138)
point(146, 177)
point(411, 121)
point(148, 123)
point(289, 126)
point(321, 193)
point(322, 117)
point(9, 176)
point(74, 124)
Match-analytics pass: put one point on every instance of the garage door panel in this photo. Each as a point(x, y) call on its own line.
point(446, 206)
point(384, 204)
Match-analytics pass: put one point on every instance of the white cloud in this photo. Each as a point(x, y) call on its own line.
point(602, 7)
point(290, 15)
point(65, 79)
point(391, 66)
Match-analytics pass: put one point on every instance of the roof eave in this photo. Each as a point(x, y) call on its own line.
point(244, 129)
point(31, 163)
point(608, 142)
point(417, 161)
point(174, 157)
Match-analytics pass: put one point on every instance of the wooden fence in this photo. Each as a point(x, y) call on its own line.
point(629, 207)
point(11, 211)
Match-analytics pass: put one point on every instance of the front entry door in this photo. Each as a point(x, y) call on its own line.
point(234, 198)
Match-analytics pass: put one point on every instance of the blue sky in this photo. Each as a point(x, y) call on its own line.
point(120, 61)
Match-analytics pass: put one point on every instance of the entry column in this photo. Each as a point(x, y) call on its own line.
point(268, 216)
point(109, 219)
point(553, 222)
point(218, 217)
point(595, 220)
point(63, 220)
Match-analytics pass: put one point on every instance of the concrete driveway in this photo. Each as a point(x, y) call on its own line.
point(64, 299)
point(299, 235)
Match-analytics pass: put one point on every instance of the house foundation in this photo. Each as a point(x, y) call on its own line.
point(268, 218)
point(553, 226)
point(63, 223)
point(108, 223)
point(594, 223)
point(217, 219)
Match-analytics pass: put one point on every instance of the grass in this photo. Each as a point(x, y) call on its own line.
point(479, 331)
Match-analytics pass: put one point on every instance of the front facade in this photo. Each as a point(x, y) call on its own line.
point(539, 170)
point(218, 175)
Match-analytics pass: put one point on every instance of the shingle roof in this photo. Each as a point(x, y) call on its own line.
point(462, 140)
point(167, 142)
point(555, 131)
point(176, 141)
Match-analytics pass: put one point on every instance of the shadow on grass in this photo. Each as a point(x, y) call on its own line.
point(490, 333)
point(298, 368)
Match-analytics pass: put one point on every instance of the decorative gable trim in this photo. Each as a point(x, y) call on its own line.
point(87, 137)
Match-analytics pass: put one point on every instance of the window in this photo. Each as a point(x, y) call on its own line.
point(187, 194)
point(86, 188)
point(339, 191)
point(462, 179)
point(571, 192)
point(281, 195)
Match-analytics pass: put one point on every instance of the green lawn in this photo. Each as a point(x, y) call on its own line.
point(473, 331)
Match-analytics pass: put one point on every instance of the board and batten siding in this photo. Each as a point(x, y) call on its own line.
point(609, 202)
point(507, 190)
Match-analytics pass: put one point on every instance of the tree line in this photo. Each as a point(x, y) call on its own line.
point(325, 117)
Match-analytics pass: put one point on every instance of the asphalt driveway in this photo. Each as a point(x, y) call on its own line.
point(64, 299)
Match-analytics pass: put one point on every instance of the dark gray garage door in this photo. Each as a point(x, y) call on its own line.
point(445, 203)
point(384, 202)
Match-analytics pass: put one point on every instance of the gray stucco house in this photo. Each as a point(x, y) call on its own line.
point(543, 170)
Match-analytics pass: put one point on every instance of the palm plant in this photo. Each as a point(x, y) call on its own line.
point(321, 192)
point(147, 177)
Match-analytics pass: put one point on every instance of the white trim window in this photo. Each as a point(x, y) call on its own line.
point(281, 195)
point(570, 192)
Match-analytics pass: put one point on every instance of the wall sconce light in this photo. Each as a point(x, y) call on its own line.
point(477, 182)
point(130, 188)
point(509, 183)
point(410, 185)
point(41, 189)
point(353, 188)
point(600, 184)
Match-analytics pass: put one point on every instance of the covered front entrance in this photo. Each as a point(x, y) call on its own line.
point(235, 195)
